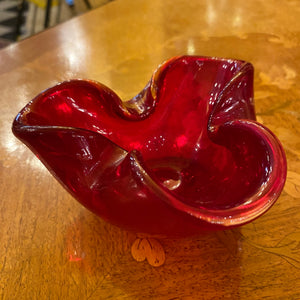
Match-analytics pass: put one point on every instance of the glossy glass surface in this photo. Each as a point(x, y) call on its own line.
point(183, 156)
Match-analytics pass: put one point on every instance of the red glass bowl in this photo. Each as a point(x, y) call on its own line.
point(183, 156)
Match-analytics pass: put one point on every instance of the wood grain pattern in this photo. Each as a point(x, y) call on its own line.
point(53, 248)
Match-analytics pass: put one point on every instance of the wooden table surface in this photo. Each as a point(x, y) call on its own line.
point(53, 248)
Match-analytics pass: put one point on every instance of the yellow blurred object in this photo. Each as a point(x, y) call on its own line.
point(43, 3)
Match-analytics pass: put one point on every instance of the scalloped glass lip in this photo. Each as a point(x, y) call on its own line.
point(265, 197)
point(252, 208)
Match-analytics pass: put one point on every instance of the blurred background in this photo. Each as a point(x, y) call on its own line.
point(22, 18)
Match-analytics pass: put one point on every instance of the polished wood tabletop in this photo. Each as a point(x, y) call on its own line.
point(53, 248)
